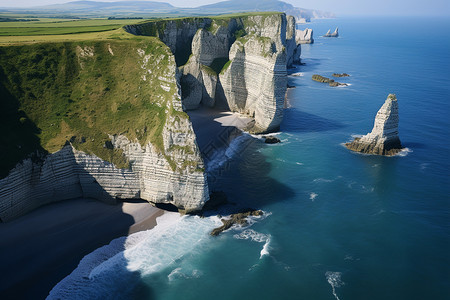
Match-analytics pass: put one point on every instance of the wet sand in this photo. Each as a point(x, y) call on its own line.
point(41, 248)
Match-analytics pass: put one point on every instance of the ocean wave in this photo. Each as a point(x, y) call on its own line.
point(265, 249)
point(334, 279)
point(250, 234)
point(313, 196)
point(178, 273)
point(112, 269)
point(299, 163)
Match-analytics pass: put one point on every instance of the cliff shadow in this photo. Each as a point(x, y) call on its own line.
point(19, 138)
point(41, 248)
point(299, 121)
point(234, 163)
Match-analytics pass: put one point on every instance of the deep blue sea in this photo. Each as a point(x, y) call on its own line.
point(338, 225)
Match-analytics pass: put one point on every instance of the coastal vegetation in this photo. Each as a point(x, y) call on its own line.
point(81, 92)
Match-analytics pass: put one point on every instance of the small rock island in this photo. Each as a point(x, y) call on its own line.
point(334, 34)
point(340, 75)
point(383, 140)
point(331, 82)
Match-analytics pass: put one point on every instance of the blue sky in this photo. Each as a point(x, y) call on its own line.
point(340, 7)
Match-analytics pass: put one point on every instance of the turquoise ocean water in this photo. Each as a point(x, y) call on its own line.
point(338, 225)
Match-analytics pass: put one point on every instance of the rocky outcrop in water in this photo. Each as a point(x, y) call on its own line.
point(239, 219)
point(383, 140)
point(330, 34)
point(271, 139)
point(304, 36)
point(330, 82)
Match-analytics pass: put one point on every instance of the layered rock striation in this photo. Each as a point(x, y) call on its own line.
point(237, 62)
point(163, 166)
point(383, 140)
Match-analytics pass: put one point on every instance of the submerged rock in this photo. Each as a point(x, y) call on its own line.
point(239, 218)
point(271, 140)
point(383, 140)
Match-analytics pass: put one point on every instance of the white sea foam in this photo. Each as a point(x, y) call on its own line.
point(299, 163)
point(265, 249)
point(334, 279)
point(323, 180)
point(298, 74)
point(178, 273)
point(112, 269)
point(404, 152)
point(250, 234)
point(343, 86)
point(313, 196)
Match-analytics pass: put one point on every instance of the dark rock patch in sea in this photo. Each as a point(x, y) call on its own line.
point(238, 218)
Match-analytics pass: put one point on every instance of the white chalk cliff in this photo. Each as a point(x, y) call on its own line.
point(383, 140)
point(253, 81)
point(304, 36)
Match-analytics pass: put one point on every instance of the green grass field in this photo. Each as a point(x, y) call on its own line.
point(61, 26)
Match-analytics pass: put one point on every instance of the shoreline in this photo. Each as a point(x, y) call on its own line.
point(41, 248)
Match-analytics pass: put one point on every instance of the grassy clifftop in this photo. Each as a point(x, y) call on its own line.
point(81, 92)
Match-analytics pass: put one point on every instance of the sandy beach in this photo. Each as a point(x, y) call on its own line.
point(42, 247)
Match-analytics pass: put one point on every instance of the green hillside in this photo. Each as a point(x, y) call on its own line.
point(81, 92)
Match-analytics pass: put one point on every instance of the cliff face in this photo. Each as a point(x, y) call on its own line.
point(145, 149)
point(383, 140)
point(238, 61)
point(304, 36)
point(255, 81)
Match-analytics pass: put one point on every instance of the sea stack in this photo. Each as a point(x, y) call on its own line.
point(383, 140)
